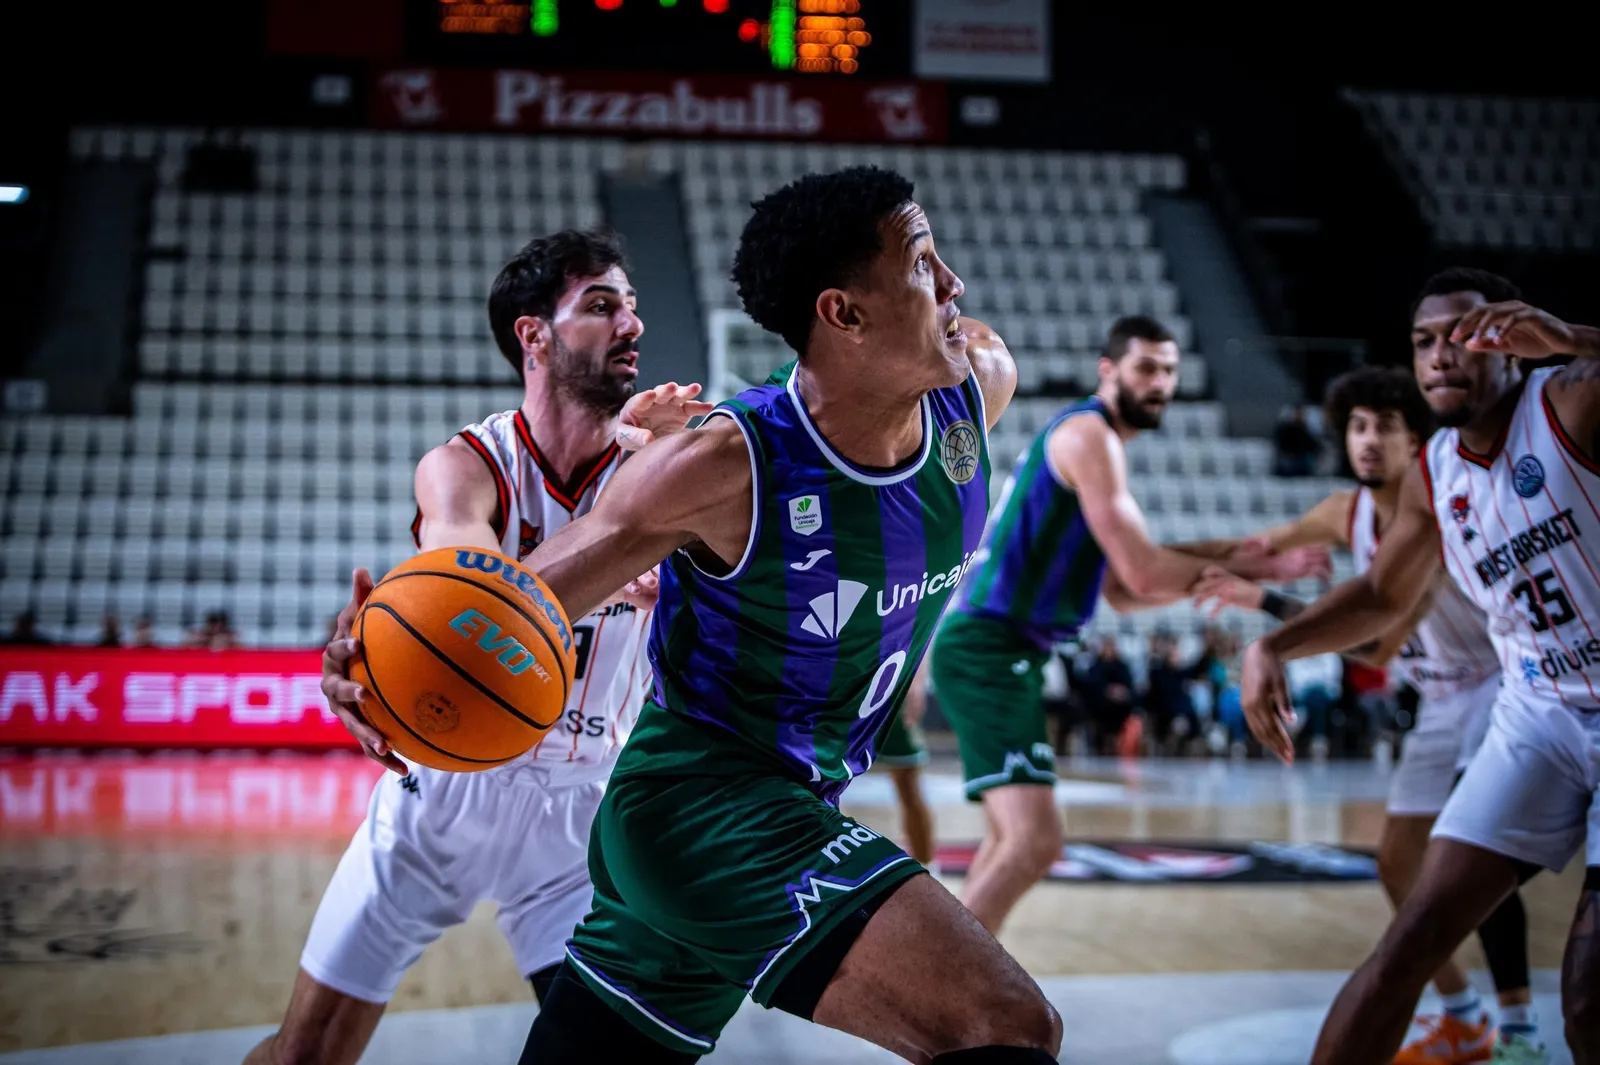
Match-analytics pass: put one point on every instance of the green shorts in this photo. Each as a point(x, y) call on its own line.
point(902, 745)
point(711, 887)
point(989, 680)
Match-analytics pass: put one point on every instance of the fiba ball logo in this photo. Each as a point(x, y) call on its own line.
point(1527, 476)
point(958, 451)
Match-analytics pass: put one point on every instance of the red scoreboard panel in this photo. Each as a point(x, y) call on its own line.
point(838, 38)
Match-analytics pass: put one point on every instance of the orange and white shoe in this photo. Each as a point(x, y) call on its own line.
point(1448, 1041)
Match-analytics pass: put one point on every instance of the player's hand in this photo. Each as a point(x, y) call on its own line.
point(344, 695)
point(1264, 693)
point(657, 412)
point(642, 591)
point(1267, 564)
point(1514, 328)
point(1223, 589)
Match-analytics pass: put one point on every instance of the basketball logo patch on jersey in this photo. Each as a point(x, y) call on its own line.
point(958, 451)
point(1527, 476)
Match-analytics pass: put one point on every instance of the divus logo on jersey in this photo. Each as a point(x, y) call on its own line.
point(1561, 661)
point(847, 842)
point(523, 581)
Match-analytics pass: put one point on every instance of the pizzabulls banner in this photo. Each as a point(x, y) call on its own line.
point(601, 103)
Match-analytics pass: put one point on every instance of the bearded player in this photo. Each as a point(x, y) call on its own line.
point(1065, 531)
point(434, 843)
point(1506, 498)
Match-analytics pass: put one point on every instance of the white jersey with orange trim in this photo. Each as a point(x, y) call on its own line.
point(1449, 651)
point(1520, 529)
point(612, 672)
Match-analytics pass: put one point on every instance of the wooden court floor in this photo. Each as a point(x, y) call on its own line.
point(149, 895)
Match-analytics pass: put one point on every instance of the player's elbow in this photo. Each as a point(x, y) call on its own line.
point(1139, 581)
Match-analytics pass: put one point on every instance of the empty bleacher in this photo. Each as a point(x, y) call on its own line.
point(305, 343)
point(1495, 171)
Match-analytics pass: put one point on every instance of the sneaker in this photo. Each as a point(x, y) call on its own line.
point(1447, 1041)
point(1520, 1050)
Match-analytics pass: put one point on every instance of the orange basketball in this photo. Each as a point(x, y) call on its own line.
point(466, 656)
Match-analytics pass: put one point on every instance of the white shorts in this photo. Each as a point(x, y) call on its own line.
point(435, 844)
point(1450, 728)
point(1534, 788)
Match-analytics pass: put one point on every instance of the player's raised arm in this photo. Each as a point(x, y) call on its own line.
point(1325, 525)
point(691, 488)
point(993, 366)
point(1086, 455)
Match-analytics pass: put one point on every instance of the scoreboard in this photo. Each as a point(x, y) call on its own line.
point(837, 38)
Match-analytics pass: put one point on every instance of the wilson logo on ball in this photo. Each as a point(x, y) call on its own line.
point(522, 581)
point(516, 658)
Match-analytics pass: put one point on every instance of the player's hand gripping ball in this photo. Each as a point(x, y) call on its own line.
point(467, 659)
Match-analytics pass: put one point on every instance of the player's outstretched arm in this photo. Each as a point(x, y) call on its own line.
point(1286, 552)
point(690, 489)
point(1087, 456)
point(993, 366)
point(1380, 600)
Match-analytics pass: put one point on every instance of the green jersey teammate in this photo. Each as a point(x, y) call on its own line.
point(1065, 532)
point(813, 531)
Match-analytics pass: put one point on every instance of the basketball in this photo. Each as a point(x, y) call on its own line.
point(467, 659)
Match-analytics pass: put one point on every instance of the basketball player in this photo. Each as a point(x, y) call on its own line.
point(1446, 654)
point(812, 532)
point(1065, 530)
point(434, 843)
point(1506, 498)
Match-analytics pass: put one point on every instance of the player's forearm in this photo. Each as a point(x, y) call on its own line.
point(1340, 621)
point(438, 533)
point(1586, 341)
point(1161, 576)
point(1287, 608)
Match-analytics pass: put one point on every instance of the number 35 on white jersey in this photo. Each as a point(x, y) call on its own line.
point(1521, 535)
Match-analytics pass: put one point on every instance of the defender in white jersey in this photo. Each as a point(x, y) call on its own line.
point(1505, 500)
point(434, 843)
point(1443, 650)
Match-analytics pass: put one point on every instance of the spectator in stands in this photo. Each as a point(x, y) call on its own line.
point(144, 633)
point(216, 634)
point(1108, 689)
point(1166, 697)
point(110, 631)
point(25, 632)
point(1296, 445)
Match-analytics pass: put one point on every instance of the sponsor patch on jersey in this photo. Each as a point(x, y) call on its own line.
point(1527, 476)
point(958, 451)
point(805, 514)
point(1461, 511)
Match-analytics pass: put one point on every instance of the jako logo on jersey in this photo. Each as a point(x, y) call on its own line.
point(516, 658)
point(1461, 510)
point(958, 451)
point(908, 594)
point(805, 514)
point(1530, 543)
point(847, 842)
point(830, 612)
point(811, 560)
point(1527, 476)
point(522, 581)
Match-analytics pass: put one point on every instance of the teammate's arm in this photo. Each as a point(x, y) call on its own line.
point(688, 490)
point(993, 366)
point(1379, 600)
point(1325, 525)
point(1086, 455)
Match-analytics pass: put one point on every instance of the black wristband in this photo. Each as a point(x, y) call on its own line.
point(1279, 606)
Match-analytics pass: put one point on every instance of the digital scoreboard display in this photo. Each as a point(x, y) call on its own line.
point(839, 38)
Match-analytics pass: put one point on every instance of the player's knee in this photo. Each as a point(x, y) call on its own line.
point(1396, 870)
point(1014, 1015)
point(1040, 851)
point(1415, 945)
